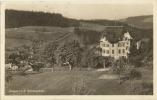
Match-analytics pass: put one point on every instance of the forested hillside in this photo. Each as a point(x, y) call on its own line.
point(15, 18)
point(139, 21)
point(106, 22)
point(27, 25)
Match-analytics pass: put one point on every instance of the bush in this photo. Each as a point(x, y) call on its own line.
point(37, 66)
point(134, 74)
point(99, 65)
point(144, 88)
point(8, 76)
point(147, 88)
point(138, 64)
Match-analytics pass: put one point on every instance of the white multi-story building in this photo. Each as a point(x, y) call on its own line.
point(121, 48)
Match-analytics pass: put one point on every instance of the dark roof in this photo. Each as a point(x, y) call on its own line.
point(113, 33)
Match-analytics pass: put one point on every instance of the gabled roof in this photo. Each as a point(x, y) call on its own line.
point(113, 33)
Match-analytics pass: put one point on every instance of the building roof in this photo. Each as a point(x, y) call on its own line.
point(127, 35)
point(113, 33)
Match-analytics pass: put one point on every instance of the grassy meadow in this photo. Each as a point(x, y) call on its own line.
point(76, 83)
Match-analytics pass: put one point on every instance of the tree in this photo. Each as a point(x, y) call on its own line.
point(109, 61)
point(36, 52)
point(90, 59)
point(50, 50)
point(119, 67)
point(36, 46)
point(24, 52)
point(70, 53)
point(13, 58)
point(133, 74)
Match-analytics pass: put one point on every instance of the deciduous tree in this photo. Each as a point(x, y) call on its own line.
point(50, 50)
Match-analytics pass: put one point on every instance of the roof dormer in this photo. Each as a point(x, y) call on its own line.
point(127, 36)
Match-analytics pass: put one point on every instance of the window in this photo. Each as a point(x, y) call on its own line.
point(123, 50)
point(103, 51)
point(119, 51)
point(112, 51)
point(112, 45)
point(103, 45)
point(123, 44)
point(127, 48)
point(119, 44)
point(107, 51)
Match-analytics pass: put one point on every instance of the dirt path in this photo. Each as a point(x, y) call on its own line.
point(107, 76)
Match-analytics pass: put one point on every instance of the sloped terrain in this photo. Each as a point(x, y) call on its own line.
point(17, 18)
point(139, 21)
point(29, 33)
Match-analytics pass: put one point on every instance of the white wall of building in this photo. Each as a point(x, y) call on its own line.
point(116, 50)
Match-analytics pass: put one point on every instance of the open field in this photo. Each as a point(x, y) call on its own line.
point(11, 42)
point(63, 82)
point(24, 35)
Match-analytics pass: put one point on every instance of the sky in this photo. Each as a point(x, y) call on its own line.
point(87, 11)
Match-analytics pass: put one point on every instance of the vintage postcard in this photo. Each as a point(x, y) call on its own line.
point(78, 49)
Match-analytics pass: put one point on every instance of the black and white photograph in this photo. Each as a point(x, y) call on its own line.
point(78, 49)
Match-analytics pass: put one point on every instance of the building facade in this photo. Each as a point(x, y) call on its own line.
point(118, 49)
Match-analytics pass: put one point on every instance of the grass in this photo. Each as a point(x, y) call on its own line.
point(53, 83)
point(63, 82)
point(23, 35)
point(11, 42)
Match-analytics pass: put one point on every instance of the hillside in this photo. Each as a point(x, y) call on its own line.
point(144, 22)
point(89, 33)
point(24, 26)
point(43, 43)
point(95, 31)
point(91, 26)
point(15, 18)
point(139, 21)
point(28, 33)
